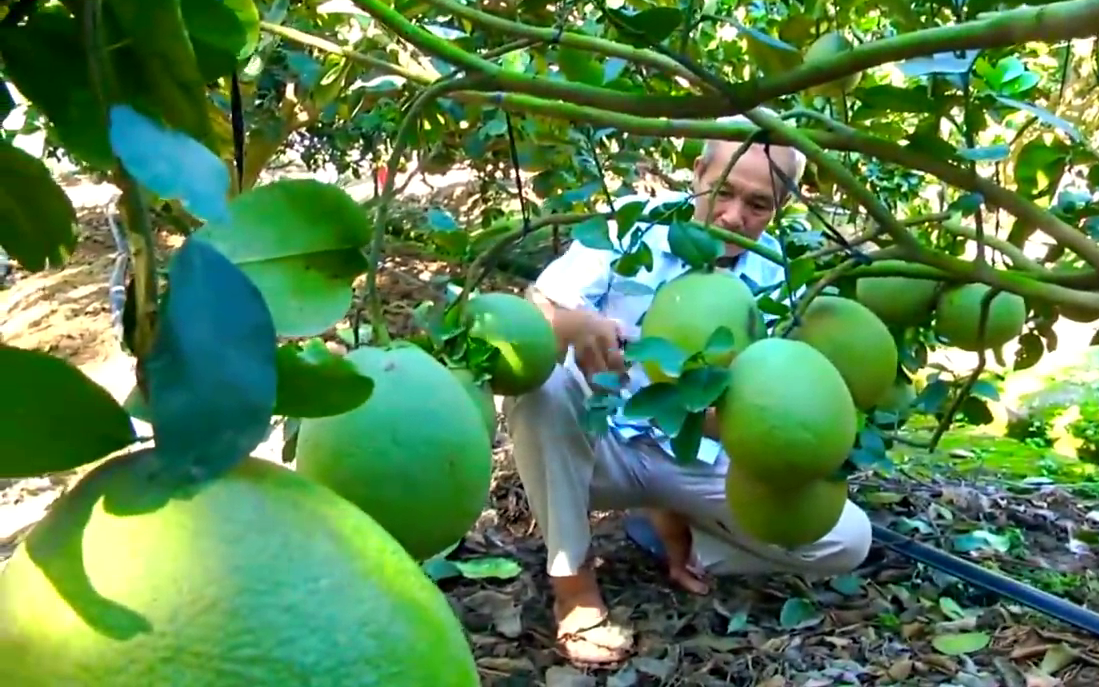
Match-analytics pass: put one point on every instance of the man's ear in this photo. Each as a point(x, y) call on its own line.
point(701, 163)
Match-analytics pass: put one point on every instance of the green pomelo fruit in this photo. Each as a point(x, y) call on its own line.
point(415, 456)
point(260, 577)
point(825, 48)
point(898, 301)
point(786, 416)
point(688, 310)
point(785, 516)
point(482, 397)
point(957, 317)
point(855, 341)
point(522, 334)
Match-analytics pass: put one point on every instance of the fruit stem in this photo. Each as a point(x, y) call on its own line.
point(381, 217)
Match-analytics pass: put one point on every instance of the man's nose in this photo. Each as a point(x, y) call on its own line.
point(732, 215)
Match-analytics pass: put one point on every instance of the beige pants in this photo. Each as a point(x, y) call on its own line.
point(567, 473)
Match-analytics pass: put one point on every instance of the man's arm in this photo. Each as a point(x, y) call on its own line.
point(563, 291)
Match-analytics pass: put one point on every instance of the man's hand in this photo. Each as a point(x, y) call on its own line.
point(596, 341)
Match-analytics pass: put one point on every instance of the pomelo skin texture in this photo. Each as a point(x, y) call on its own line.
point(415, 456)
point(855, 341)
point(786, 417)
point(957, 317)
point(524, 337)
point(482, 397)
point(687, 310)
point(785, 516)
point(898, 301)
point(259, 578)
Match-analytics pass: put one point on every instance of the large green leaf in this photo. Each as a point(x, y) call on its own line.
point(45, 60)
point(152, 50)
point(37, 219)
point(54, 417)
point(299, 241)
point(211, 371)
point(222, 33)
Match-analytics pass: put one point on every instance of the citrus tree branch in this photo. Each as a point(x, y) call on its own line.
point(1053, 22)
point(569, 39)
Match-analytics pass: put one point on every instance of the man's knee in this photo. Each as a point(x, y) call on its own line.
point(850, 546)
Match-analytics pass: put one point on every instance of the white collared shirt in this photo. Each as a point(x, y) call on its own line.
point(582, 278)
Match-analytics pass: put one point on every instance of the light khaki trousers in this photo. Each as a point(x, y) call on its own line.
point(568, 472)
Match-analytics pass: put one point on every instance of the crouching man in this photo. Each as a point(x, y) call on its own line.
point(567, 472)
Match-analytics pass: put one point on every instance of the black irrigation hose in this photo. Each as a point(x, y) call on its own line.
point(983, 578)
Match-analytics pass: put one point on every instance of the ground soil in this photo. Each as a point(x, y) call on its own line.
point(880, 626)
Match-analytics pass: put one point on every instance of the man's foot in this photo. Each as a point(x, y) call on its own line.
point(586, 635)
point(673, 544)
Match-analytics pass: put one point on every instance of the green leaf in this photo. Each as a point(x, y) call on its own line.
point(54, 417)
point(579, 66)
point(667, 356)
point(607, 380)
point(701, 387)
point(629, 264)
point(798, 613)
point(315, 382)
point(1044, 115)
point(983, 388)
point(801, 271)
point(694, 245)
point(660, 403)
point(721, 343)
point(594, 233)
point(848, 585)
point(211, 371)
point(223, 32)
point(647, 27)
point(626, 216)
point(153, 53)
point(686, 441)
point(56, 80)
point(957, 644)
point(38, 225)
point(299, 241)
point(489, 567)
point(171, 164)
point(985, 154)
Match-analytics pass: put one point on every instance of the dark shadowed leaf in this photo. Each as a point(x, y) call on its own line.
point(315, 382)
point(37, 220)
point(54, 417)
point(211, 372)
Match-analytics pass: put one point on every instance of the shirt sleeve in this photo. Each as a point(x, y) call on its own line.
point(579, 278)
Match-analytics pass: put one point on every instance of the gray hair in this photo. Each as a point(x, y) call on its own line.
point(709, 149)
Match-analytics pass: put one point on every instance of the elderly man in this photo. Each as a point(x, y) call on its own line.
point(567, 472)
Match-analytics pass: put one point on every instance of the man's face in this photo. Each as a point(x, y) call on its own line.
point(745, 202)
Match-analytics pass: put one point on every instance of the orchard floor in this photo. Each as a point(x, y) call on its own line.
point(892, 622)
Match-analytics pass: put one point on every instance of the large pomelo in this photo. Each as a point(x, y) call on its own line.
point(898, 301)
point(522, 334)
point(855, 341)
point(787, 516)
point(415, 456)
point(825, 48)
point(260, 577)
point(482, 398)
point(957, 317)
point(688, 309)
point(787, 416)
